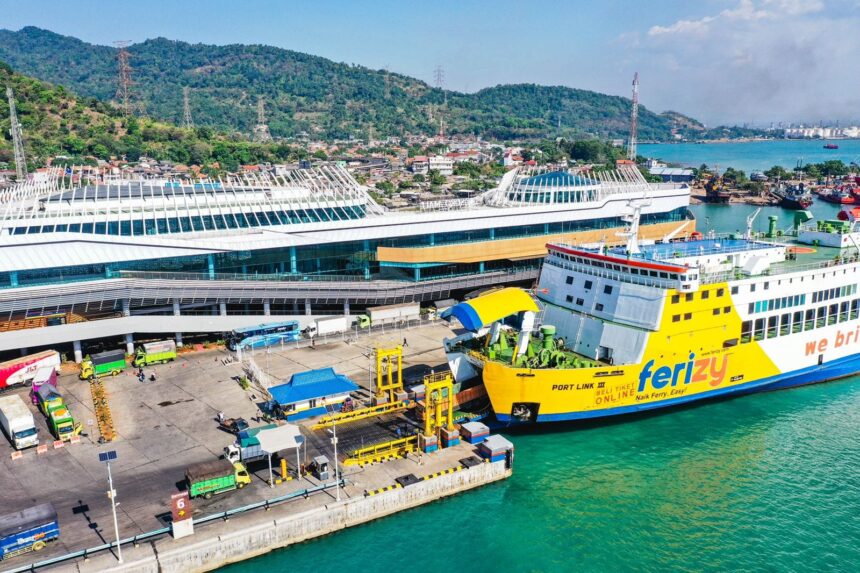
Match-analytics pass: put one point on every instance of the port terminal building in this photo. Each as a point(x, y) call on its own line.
point(141, 259)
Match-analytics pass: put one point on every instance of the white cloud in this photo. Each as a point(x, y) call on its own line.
point(757, 60)
point(697, 27)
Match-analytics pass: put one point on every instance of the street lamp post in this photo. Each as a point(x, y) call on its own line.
point(106, 457)
point(334, 442)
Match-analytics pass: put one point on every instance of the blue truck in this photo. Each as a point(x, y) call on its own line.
point(28, 530)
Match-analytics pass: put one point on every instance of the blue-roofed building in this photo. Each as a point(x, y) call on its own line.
point(311, 393)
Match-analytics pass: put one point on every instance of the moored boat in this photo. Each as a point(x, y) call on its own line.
point(794, 197)
point(836, 195)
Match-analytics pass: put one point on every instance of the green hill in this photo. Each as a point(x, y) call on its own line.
point(56, 122)
point(307, 94)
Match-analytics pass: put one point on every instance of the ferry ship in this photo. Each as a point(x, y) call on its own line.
point(611, 331)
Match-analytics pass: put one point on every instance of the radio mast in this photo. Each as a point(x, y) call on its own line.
point(17, 137)
point(634, 119)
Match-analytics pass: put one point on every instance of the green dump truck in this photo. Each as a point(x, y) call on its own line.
point(218, 476)
point(111, 362)
point(159, 352)
point(60, 420)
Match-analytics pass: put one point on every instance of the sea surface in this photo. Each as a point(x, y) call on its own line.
point(766, 482)
point(754, 155)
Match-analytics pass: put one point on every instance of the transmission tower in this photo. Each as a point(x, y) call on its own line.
point(187, 122)
point(17, 137)
point(634, 119)
point(387, 79)
point(123, 88)
point(439, 78)
point(261, 130)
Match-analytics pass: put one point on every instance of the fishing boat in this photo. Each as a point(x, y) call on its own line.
point(614, 331)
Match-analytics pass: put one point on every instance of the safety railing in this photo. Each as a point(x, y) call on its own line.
point(136, 539)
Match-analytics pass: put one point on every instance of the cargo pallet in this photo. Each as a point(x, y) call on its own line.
point(102, 410)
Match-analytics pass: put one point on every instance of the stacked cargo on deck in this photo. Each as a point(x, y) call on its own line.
point(474, 432)
point(495, 448)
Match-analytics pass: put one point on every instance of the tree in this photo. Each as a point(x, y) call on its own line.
point(436, 178)
point(736, 176)
point(778, 172)
point(386, 187)
point(320, 154)
point(418, 178)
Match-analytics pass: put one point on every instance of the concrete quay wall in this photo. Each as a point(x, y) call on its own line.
point(246, 536)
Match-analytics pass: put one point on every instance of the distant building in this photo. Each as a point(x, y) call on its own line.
point(672, 174)
point(444, 165)
point(420, 164)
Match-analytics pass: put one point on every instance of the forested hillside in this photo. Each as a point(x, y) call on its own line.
point(313, 96)
point(56, 122)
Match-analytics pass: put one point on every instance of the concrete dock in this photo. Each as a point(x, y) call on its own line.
point(166, 425)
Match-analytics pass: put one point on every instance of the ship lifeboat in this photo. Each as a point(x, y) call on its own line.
point(695, 236)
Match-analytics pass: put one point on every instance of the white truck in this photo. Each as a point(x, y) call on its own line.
point(17, 421)
point(328, 325)
point(392, 313)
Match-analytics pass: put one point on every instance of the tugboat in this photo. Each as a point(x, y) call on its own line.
point(794, 197)
point(836, 195)
point(831, 146)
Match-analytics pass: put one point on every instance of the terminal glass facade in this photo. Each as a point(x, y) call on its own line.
point(355, 259)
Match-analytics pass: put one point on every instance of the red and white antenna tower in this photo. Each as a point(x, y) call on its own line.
point(634, 119)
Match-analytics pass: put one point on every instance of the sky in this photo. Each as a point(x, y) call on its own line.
point(720, 61)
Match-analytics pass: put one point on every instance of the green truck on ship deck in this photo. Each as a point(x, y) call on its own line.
point(159, 352)
point(218, 476)
point(111, 362)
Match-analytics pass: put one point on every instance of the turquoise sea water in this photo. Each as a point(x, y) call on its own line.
point(754, 155)
point(767, 482)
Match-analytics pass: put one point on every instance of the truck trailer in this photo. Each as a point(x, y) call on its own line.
point(110, 362)
point(327, 325)
point(22, 370)
point(392, 313)
point(28, 530)
point(159, 352)
point(17, 421)
point(217, 476)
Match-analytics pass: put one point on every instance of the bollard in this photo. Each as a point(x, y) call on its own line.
point(283, 468)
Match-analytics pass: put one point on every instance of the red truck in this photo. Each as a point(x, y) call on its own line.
point(23, 370)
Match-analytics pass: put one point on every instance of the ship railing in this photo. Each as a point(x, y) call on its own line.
point(615, 275)
point(776, 270)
